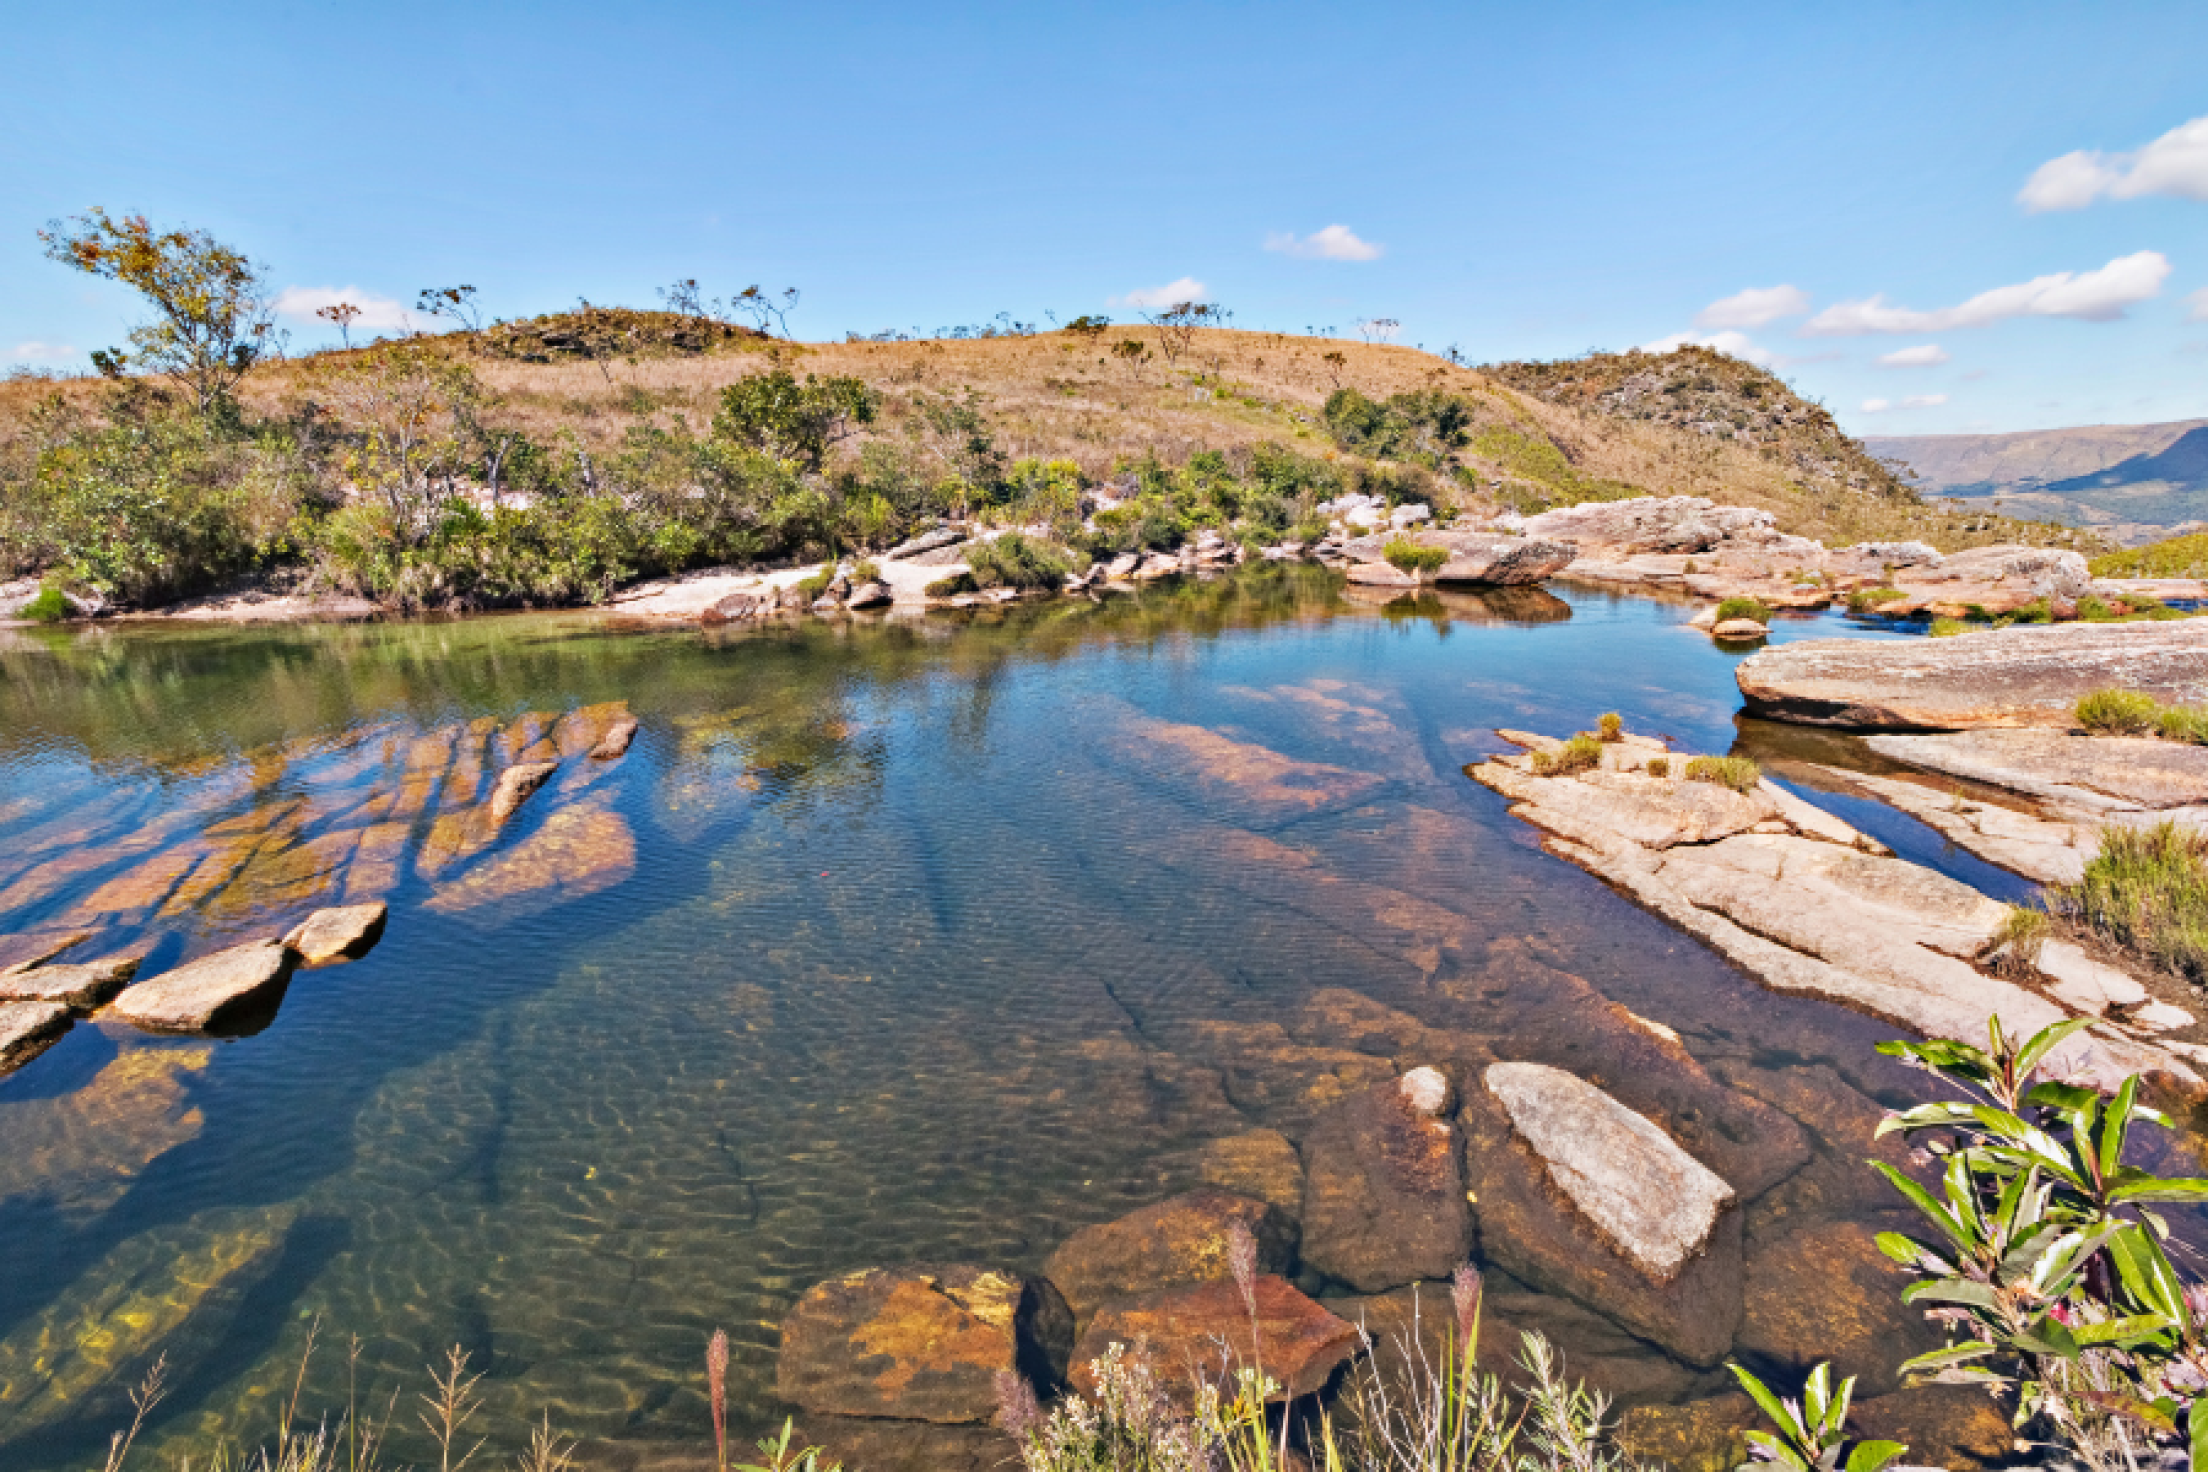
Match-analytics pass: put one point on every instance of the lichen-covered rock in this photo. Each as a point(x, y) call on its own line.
point(79, 986)
point(1204, 1333)
point(1175, 1242)
point(28, 1029)
point(341, 934)
point(919, 1343)
point(1581, 1196)
point(1383, 1195)
point(210, 991)
point(2031, 675)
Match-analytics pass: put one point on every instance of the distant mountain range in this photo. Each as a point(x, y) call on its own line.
point(2133, 483)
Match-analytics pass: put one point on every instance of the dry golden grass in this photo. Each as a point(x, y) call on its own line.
point(1062, 396)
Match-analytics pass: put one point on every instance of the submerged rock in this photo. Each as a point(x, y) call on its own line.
point(919, 1343)
point(1176, 1242)
point(579, 851)
point(1383, 1198)
point(78, 1152)
point(338, 935)
point(2025, 676)
point(1581, 1196)
point(1259, 1163)
point(213, 989)
point(80, 986)
point(1204, 1333)
point(28, 1029)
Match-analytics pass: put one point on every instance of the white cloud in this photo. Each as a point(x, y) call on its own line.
point(2198, 301)
point(1187, 289)
point(1758, 306)
point(41, 352)
point(1738, 344)
point(377, 313)
point(2086, 296)
point(1931, 355)
point(1334, 243)
point(2175, 163)
point(1915, 401)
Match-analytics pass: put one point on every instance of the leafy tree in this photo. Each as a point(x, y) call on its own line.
point(409, 409)
point(213, 320)
point(776, 415)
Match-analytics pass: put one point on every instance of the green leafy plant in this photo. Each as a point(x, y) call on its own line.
point(2117, 713)
point(1737, 772)
point(1407, 556)
point(49, 607)
point(776, 1455)
point(1812, 1432)
point(776, 415)
point(1579, 754)
point(1016, 560)
point(2017, 940)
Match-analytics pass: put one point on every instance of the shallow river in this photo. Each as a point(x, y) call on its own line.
point(923, 941)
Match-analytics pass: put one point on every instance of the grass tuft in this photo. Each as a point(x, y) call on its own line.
point(1862, 600)
point(2186, 723)
point(2118, 713)
point(2023, 931)
point(1582, 753)
point(2147, 891)
point(1609, 726)
point(1405, 555)
point(1948, 628)
point(1737, 772)
point(1659, 766)
point(1743, 608)
point(49, 607)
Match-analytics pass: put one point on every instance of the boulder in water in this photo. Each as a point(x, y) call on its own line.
point(204, 993)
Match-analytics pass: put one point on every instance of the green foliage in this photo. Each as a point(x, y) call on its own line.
point(49, 607)
point(212, 317)
point(1609, 726)
point(952, 586)
point(1425, 427)
point(2184, 723)
point(1812, 1432)
point(1737, 772)
point(1947, 628)
point(1659, 766)
point(1748, 608)
point(1533, 459)
point(2117, 713)
point(1407, 556)
point(1037, 493)
point(2147, 891)
point(1862, 600)
point(775, 415)
point(1015, 560)
point(815, 584)
point(1579, 754)
point(2178, 557)
point(2023, 930)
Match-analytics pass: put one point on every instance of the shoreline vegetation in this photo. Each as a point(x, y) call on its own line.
point(551, 461)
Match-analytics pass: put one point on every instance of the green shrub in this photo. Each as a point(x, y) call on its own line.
point(1948, 628)
point(1659, 766)
point(2179, 557)
point(1748, 608)
point(49, 607)
point(2023, 930)
point(1405, 555)
point(2118, 713)
point(2147, 891)
point(1015, 560)
point(1864, 599)
point(1609, 726)
point(2186, 723)
point(867, 571)
point(816, 584)
point(1581, 753)
point(1737, 772)
point(952, 586)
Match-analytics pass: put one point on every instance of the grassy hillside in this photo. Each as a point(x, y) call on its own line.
point(2177, 557)
point(625, 466)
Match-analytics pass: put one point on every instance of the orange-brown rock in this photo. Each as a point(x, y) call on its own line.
point(1258, 1163)
point(1206, 1331)
point(579, 850)
point(919, 1343)
point(341, 934)
point(1383, 1194)
point(1953, 1426)
point(1168, 1245)
point(1697, 1436)
point(1825, 1292)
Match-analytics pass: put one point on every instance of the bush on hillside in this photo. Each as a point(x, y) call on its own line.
point(1747, 608)
point(1015, 560)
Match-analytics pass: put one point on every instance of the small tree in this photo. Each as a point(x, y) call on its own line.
point(762, 308)
point(409, 409)
point(1379, 329)
point(456, 303)
point(213, 321)
point(340, 315)
point(1133, 355)
point(1178, 323)
point(773, 413)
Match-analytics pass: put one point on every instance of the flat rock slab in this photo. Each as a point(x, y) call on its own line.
point(1487, 559)
point(2029, 676)
point(206, 992)
point(341, 934)
point(28, 1029)
point(1383, 1196)
point(79, 986)
point(2048, 850)
point(1172, 1244)
point(2097, 773)
point(1204, 1333)
point(1581, 1196)
point(919, 1343)
point(514, 786)
point(615, 743)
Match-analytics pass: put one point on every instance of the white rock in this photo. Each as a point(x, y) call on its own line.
point(2161, 1017)
point(2084, 983)
point(1653, 1201)
point(201, 994)
point(1425, 1090)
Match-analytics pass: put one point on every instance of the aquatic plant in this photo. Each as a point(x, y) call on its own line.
point(1579, 754)
point(1737, 772)
point(2117, 713)
point(2147, 891)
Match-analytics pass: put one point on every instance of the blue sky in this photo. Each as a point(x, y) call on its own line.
point(1522, 181)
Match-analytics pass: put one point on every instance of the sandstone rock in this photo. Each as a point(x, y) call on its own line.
point(870, 595)
point(22, 951)
point(214, 989)
point(1696, 1436)
point(1673, 524)
point(2048, 850)
point(741, 606)
point(1169, 1245)
point(1203, 1334)
point(1122, 565)
point(1826, 1292)
point(28, 1029)
point(2024, 676)
point(2106, 776)
point(1739, 629)
point(2084, 983)
point(579, 851)
point(514, 786)
point(1954, 1426)
point(80, 986)
point(1259, 1163)
point(1383, 1198)
point(873, 1444)
point(942, 536)
point(919, 1343)
point(615, 743)
point(1479, 558)
point(342, 934)
point(1580, 1195)
point(1381, 575)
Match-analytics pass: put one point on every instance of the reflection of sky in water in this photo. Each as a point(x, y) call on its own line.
point(882, 944)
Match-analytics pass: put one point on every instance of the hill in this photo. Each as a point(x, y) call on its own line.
point(2133, 483)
